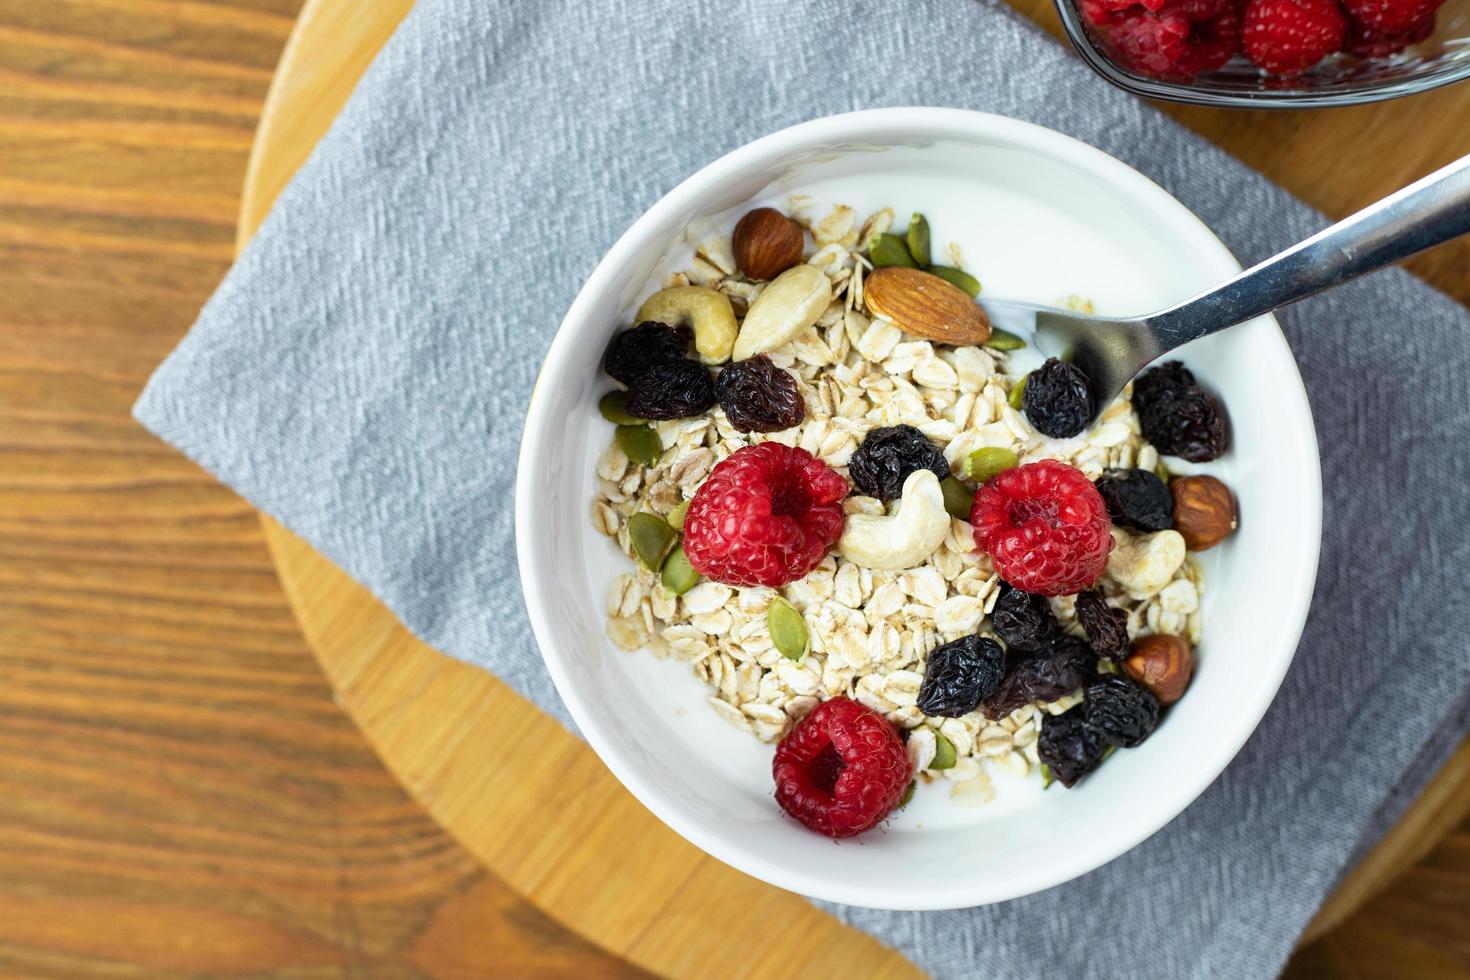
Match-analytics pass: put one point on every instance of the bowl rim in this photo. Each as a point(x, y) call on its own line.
point(878, 125)
point(1187, 94)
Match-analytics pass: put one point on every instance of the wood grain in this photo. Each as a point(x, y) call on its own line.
point(179, 793)
point(622, 880)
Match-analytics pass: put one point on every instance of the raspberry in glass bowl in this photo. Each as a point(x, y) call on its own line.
point(1272, 53)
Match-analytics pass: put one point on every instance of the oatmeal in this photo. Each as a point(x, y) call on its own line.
point(890, 422)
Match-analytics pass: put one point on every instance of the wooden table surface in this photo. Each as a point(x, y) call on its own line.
point(179, 793)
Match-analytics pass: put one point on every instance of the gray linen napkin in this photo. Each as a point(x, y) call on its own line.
point(363, 373)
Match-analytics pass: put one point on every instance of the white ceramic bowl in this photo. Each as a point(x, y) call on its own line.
point(1039, 216)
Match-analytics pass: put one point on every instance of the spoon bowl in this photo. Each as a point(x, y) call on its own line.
point(1111, 351)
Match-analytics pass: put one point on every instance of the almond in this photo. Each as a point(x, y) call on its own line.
point(1204, 511)
point(1163, 664)
point(925, 306)
point(766, 243)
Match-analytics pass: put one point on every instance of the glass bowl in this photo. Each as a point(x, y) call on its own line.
point(1339, 79)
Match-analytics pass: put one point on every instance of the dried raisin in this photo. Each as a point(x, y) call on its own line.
point(758, 396)
point(888, 455)
point(1068, 664)
point(1124, 712)
point(1024, 621)
point(959, 674)
point(1178, 416)
point(1058, 399)
point(676, 390)
point(1106, 627)
point(632, 352)
point(1137, 499)
point(1069, 745)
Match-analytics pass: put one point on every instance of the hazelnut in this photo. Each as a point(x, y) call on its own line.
point(1204, 511)
point(1163, 664)
point(766, 243)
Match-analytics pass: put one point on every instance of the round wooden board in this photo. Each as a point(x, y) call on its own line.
point(523, 795)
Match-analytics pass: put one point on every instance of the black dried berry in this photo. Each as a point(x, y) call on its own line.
point(1067, 665)
point(1069, 746)
point(757, 396)
point(888, 455)
point(1024, 621)
point(1137, 499)
point(1058, 399)
point(1178, 416)
point(1106, 627)
point(959, 674)
point(1124, 712)
point(676, 390)
point(647, 345)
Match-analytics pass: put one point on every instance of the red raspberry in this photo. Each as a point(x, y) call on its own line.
point(1286, 37)
point(1099, 12)
point(841, 770)
point(765, 516)
point(1365, 42)
point(1045, 527)
point(1181, 40)
point(1391, 16)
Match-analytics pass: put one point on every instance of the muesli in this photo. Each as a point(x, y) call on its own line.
point(877, 547)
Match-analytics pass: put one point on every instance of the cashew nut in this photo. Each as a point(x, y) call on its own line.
point(1145, 563)
point(905, 538)
point(708, 312)
point(784, 310)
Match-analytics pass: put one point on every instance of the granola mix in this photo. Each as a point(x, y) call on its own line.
point(870, 631)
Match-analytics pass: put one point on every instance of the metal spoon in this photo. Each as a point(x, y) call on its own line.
point(1112, 350)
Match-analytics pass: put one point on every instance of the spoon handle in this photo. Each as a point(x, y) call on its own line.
point(1429, 211)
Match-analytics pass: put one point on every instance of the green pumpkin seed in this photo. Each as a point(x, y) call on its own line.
point(678, 575)
point(1018, 392)
point(639, 443)
point(1046, 777)
point(918, 239)
point(614, 408)
point(1004, 340)
point(982, 464)
point(676, 516)
point(652, 538)
point(1107, 752)
point(787, 629)
point(956, 277)
point(908, 794)
point(944, 754)
point(958, 499)
point(889, 249)
point(1162, 472)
